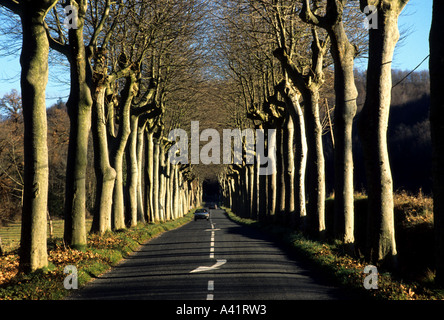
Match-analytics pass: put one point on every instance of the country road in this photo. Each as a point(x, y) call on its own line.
point(210, 260)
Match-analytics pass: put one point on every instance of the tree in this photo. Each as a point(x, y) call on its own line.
point(436, 121)
point(372, 127)
point(309, 85)
point(297, 184)
point(79, 110)
point(34, 77)
point(343, 52)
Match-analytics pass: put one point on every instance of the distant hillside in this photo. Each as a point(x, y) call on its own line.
point(408, 135)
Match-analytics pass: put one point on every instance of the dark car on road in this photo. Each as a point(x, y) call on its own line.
point(201, 214)
point(212, 206)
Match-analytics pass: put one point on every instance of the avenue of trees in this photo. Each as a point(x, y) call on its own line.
point(292, 63)
point(131, 65)
point(138, 69)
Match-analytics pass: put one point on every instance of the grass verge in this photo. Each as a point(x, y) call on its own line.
point(344, 270)
point(102, 253)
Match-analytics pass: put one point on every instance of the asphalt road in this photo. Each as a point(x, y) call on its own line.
point(210, 260)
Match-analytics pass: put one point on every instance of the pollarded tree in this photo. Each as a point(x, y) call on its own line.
point(343, 53)
point(309, 84)
point(34, 77)
point(297, 162)
point(79, 110)
point(372, 126)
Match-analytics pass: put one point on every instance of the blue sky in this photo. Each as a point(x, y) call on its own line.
point(416, 19)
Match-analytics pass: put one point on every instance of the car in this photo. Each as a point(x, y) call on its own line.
point(201, 214)
point(212, 206)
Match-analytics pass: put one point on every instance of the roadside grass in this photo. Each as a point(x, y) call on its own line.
point(102, 253)
point(414, 231)
point(10, 234)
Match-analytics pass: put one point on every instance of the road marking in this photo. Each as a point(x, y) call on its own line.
point(211, 285)
point(217, 265)
point(210, 297)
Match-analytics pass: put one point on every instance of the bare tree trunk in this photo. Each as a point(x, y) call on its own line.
point(132, 171)
point(436, 122)
point(309, 87)
point(156, 158)
point(140, 147)
point(289, 169)
point(255, 191)
point(2, 251)
point(280, 174)
point(271, 184)
point(176, 192)
point(34, 77)
point(315, 164)
point(372, 126)
point(105, 174)
point(149, 160)
point(79, 110)
point(251, 190)
point(345, 111)
point(118, 151)
point(343, 53)
point(168, 192)
point(263, 195)
point(301, 151)
point(50, 225)
point(162, 178)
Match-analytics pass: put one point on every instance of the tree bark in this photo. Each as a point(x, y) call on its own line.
point(343, 53)
point(162, 178)
point(345, 110)
point(437, 132)
point(289, 169)
point(315, 166)
point(176, 200)
point(280, 174)
point(2, 251)
point(156, 164)
point(168, 192)
point(251, 190)
point(79, 110)
point(309, 86)
point(271, 185)
point(149, 160)
point(105, 174)
point(300, 154)
point(34, 77)
point(372, 126)
point(118, 151)
point(132, 171)
point(140, 147)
